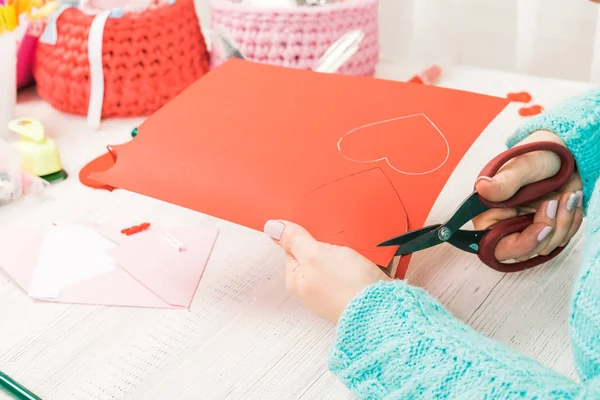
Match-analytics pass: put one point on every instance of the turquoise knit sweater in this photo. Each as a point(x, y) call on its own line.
point(394, 341)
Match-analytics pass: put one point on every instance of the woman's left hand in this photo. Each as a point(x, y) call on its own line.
point(323, 276)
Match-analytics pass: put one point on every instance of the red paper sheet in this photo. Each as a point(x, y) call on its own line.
point(355, 160)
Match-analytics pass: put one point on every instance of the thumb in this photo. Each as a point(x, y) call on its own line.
point(516, 173)
point(293, 238)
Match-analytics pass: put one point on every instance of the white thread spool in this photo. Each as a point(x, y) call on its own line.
point(8, 74)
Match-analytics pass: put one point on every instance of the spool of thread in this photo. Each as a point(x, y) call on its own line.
point(8, 74)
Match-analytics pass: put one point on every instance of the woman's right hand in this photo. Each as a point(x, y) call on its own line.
point(558, 216)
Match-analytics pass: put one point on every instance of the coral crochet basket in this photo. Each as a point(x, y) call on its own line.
point(147, 59)
point(298, 37)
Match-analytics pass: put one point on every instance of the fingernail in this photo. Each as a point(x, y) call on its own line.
point(484, 178)
point(572, 202)
point(552, 208)
point(544, 233)
point(274, 229)
point(580, 201)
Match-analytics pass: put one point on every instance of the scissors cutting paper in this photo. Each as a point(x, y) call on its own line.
point(483, 242)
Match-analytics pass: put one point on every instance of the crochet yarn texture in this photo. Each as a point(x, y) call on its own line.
point(148, 58)
point(394, 341)
point(298, 37)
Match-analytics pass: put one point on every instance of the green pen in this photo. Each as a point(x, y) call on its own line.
point(10, 386)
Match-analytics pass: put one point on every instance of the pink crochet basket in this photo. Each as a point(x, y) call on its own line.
point(298, 37)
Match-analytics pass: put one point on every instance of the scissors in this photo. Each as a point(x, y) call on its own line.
point(483, 242)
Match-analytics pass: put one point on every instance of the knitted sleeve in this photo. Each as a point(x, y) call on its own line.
point(396, 342)
point(584, 324)
point(577, 122)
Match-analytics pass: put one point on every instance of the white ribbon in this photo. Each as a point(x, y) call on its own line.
point(96, 71)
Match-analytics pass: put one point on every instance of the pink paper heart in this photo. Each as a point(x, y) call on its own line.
point(411, 145)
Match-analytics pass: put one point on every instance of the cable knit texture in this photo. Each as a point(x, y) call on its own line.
point(394, 341)
point(148, 58)
point(297, 37)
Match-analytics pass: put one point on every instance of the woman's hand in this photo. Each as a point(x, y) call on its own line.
point(327, 277)
point(557, 216)
point(324, 277)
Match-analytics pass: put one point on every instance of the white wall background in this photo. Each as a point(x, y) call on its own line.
point(558, 38)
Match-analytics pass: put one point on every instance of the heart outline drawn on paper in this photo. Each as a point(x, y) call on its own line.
point(385, 158)
point(359, 211)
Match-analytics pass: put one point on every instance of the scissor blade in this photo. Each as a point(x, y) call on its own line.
point(469, 209)
point(407, 237)
point(424, 241)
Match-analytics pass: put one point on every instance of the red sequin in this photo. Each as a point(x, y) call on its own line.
point(135, 229)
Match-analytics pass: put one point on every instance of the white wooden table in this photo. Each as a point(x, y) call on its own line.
point(245, 337)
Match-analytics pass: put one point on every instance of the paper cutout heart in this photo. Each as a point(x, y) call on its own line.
point(519, 97)
point(364, 203)
point(531, 111)
point(419, 147)
point(102, 163)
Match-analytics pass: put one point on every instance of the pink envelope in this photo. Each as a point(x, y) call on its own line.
point(152, 273)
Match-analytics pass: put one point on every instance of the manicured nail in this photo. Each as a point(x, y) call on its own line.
point(580, 201)
point(572, 202)
point(544, 233)
point(484, 178)
point(274, 229)
point(552, 208)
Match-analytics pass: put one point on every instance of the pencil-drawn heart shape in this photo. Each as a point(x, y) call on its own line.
point(358, 211)
point(411, 145)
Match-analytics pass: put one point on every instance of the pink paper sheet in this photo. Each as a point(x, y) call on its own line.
point(152, 272)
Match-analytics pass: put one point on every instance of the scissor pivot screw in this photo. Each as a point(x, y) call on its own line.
point(444, 234)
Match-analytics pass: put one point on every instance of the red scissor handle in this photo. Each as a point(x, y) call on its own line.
point(538, 189)
point(487, 245)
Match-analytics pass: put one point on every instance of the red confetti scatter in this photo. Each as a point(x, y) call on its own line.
point(136, 229)
point(530, 111)
point(519, 97)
